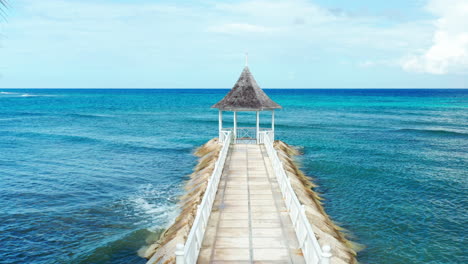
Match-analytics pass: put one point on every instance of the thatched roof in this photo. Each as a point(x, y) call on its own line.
point(246, 95)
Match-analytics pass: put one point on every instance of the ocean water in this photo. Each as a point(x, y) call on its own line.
point(91, 176)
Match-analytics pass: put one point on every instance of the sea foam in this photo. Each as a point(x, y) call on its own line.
point(154, 206)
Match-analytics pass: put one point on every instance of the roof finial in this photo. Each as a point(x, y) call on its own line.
point(246, 59)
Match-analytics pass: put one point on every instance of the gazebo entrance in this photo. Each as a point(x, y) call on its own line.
point(246, 96)
point(247, 134)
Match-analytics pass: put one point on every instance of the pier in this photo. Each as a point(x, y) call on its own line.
point(249, 221)
point(249, 212)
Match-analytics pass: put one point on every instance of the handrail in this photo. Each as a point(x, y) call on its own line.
point(261, 128)
point(224, 134)
point(266, 133)
point(188, 253)
point(247, 135)
point(312, 252)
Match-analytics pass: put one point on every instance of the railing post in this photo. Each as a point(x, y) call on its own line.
point(220, 126)
point(258, 127)
point(326, 255)
point(235, 126)
point(180, 258)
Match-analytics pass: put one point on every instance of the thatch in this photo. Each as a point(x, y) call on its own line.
point(163, 251)
point(327, 232)
point(246, 95)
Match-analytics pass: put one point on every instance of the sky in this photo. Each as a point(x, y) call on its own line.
point(202, 44)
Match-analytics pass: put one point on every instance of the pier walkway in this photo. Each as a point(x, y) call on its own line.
point(249, 212)
point(249, 222)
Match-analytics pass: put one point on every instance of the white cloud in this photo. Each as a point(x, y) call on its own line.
point(259, 16)
point(304, 23)
point(279, 11)
point(367, 64)
point(113, 43)
point(379, 62)
point(449, 50)
point(239, 28)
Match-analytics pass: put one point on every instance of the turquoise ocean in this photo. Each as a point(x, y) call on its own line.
point(90, 176)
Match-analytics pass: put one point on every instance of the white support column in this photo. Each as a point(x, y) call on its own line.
point(258, 126)
point(234, 133)
point(220, 123)
point(273, 124)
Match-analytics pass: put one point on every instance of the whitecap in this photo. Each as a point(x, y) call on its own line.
point(153, 206)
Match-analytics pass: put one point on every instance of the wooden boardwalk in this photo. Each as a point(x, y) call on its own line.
point(249, 222)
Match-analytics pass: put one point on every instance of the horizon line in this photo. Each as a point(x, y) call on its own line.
point(192, 88)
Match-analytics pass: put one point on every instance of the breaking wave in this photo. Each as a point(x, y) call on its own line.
point(154, 206)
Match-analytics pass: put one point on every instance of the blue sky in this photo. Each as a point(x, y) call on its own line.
point(201, 44)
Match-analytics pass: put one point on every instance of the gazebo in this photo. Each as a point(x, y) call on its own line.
point(246, 96)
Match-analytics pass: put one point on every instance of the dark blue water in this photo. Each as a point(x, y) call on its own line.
point(87, 176)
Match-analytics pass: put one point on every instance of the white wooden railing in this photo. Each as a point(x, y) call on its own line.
point(266, 133)
point(247, 135)
point(223, 135)
point(188, 253)
point(311, 249)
